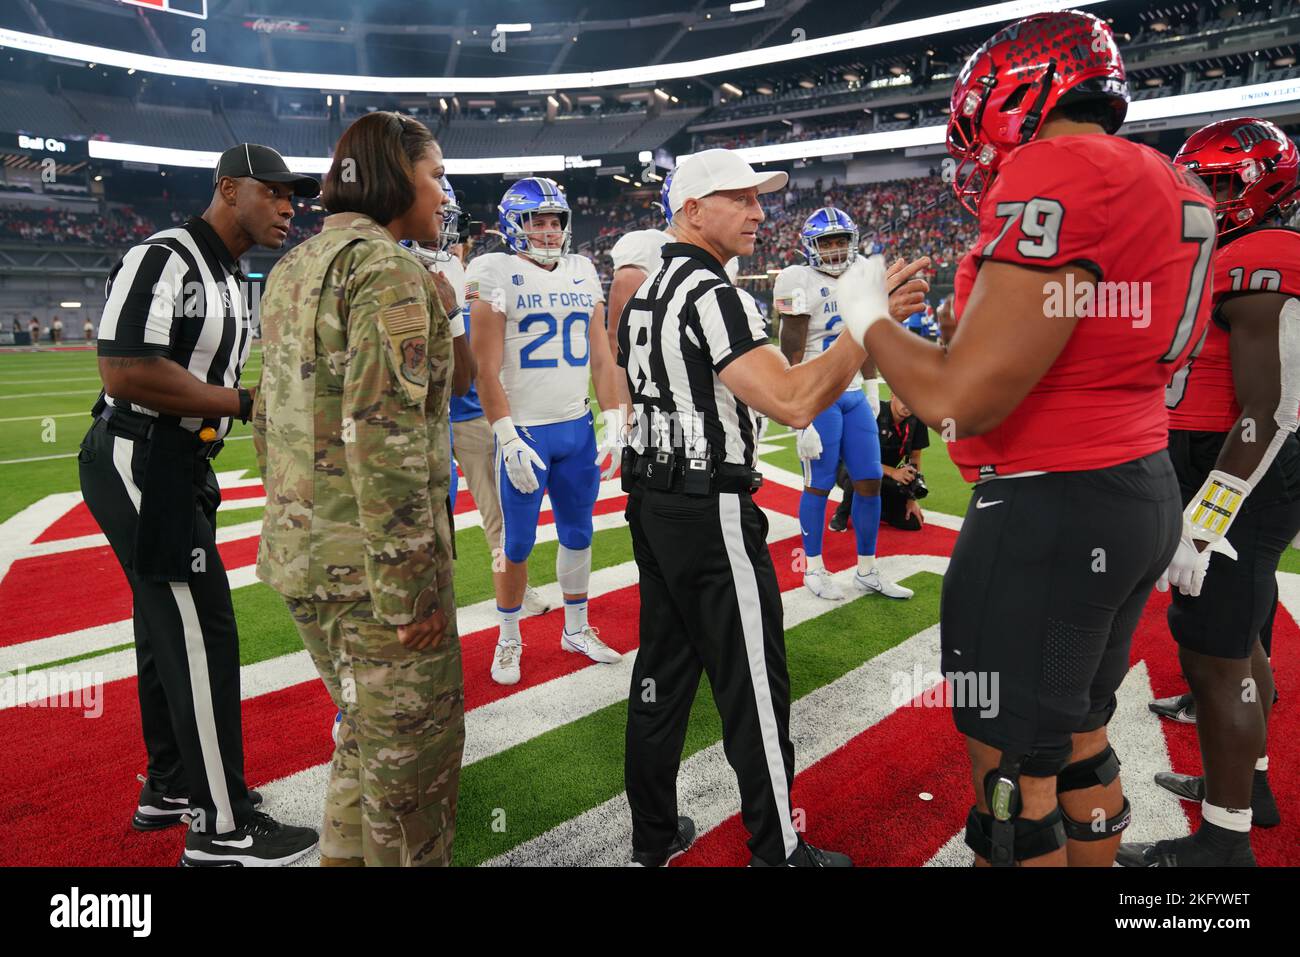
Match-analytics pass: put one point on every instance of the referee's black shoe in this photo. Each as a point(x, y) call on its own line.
point(157, 810)
point(1180, 708)
point(805, 855)
point(1191, 787)
point(684, 838)
point(262, 842)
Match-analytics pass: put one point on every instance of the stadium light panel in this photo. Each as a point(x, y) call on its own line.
point(995, 13)
point(745, 5)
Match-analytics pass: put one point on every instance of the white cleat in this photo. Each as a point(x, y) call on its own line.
point(587, 642)
point(505, 663)
point(534, 603)
point(872, 581)
point(820, 583)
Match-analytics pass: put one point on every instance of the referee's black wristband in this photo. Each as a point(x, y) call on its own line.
point(245, 405)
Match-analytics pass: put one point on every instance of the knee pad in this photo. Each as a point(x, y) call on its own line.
point(573, 569)
point(1097, 771)
point(1032, 838)
point(518, 547)
point(1098, 829)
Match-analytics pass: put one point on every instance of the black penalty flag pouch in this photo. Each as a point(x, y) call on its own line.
point(164, 538)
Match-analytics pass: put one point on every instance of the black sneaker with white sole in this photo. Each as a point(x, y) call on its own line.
point(262, 842)
point(1210, 846)
point(1191, 787)
point(805, 855)
point(157, 810)
point(684, 838)
point(1180, 708)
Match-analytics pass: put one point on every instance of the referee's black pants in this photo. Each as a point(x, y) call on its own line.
point(186, 645)
point(710, 603)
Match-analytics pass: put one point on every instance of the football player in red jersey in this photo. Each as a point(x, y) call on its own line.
point(1058, 405)
point(1233, 412)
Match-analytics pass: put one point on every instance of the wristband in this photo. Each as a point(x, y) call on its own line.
point(1210, 513)
point(457, 323)
point(245, 405)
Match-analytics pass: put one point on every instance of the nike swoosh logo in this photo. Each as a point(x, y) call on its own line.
point(577, 282)
point(246, 841)
point(983, 504)
point(184, 801)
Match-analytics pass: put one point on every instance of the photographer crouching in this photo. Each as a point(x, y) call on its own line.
point(902, 438)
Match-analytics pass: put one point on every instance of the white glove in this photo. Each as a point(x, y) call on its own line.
point(862, 296)
point(520, 457)
point(609, 441)
point(809, 443)
point(1186, 571)
point(872, 388)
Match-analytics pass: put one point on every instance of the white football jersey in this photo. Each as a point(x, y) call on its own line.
point(641, 248)
point(801, 290)
point(544, 368)
point(455, 273)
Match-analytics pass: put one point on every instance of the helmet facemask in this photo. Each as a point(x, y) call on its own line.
point(528, 236)
point(835, 261)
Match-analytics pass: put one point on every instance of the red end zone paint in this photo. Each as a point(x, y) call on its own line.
point(36, 601)
point(78, 521)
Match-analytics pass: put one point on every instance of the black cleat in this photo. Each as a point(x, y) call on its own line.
point(1191, 787)
point(684, 839)
point(838, 523)
point(1180, 708)
point(1211, 846)
point(156, 810)
point(805, 855)
point(262, 842)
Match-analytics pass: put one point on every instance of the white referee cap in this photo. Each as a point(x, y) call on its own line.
point(709, 171)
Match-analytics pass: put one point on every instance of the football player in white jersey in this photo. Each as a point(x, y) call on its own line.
point(805, 297)
point(538, 315)
point(472, 440)
point(637, 256)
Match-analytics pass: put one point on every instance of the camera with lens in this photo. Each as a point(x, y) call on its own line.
point(919, 488)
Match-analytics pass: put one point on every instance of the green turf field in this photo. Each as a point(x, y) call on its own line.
point(45, 398)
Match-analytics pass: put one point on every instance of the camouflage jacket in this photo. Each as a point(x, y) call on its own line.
point(351, 424)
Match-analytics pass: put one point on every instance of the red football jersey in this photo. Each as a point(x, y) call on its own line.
point(1201, 396)
point(1146, 231)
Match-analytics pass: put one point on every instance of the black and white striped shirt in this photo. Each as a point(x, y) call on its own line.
point(178, 295)
point(680, 330)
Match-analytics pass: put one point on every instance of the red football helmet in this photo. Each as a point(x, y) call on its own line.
point(1251, 167)
point(1016, 78)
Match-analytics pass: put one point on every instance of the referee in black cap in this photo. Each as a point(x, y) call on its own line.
point(173, 338)
point(700, 370)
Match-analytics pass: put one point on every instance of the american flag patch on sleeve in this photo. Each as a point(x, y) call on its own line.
point(785, 304)
point(471, 290)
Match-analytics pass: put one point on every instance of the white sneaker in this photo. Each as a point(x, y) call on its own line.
point(505, 663)
point(534, 603)
point(820, 583)
point(587, 642)
point(872, 581)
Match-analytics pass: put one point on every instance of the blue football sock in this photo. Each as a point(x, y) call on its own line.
point(866, 522)
point(812, 522)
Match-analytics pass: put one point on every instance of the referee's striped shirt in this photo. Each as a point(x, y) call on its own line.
point(178, 295)
point(682, 328)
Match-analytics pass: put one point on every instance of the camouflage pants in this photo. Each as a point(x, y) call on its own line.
point(391, 799)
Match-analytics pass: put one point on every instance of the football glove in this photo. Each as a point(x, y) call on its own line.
point(609, 442)
point(862, 296)
point(809, 443)
point(520, 458)
point(872, 389)
point(1187, 570)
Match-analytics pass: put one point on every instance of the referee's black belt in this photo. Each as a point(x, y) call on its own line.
point(136, 425)
point(670, 472)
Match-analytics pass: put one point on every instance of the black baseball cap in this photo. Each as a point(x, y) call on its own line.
point(264, 163)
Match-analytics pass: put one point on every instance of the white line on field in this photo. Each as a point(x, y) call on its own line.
point(46, 395)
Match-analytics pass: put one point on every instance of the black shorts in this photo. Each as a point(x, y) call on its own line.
point(1235, 606)
point(1046, 584)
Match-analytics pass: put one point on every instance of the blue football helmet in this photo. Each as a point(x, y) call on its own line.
point(823, 224)
point(522, 201)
